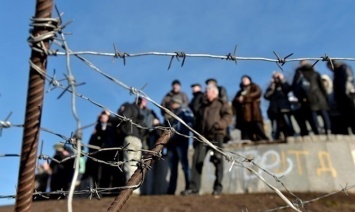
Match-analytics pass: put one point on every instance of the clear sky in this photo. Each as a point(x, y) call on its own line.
point(258, 27)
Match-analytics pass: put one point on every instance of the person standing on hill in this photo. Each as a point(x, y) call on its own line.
point(279, 111)
point(212, 120)
point(309, 89)
point(344, 91)
point(249, 118)
point(179, 144)
point(197, 98)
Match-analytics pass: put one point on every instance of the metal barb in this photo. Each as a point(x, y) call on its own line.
point(281, 61)
point(118, 54)
point(229, 56)
point(5, 123)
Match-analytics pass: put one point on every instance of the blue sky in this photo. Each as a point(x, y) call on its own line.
point(305, 28)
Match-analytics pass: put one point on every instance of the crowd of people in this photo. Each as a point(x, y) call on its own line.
point(326, 104)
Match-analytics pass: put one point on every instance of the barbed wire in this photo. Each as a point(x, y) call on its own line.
point(229, 57)
point(302, 204)
point(36, 43)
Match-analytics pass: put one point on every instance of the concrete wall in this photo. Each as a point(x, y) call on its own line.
point(314, 164)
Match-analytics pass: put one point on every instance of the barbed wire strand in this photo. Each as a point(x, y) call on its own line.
point(78, 134)
point(280, 61)
point(303, 203)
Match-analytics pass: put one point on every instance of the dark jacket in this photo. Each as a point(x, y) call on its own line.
point(248, 110)
point(148, 117)
point(344, 89)
point(62, 173)
point(316, 96)
point(222, 93)
point(276, 93)
point(185, 114)
point(126, 128)
point(214, 118)
point(196, 102)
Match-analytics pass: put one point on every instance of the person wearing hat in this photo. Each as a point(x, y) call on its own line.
point(175, 91)
point(249, 119)
point(178, 145)
point(62, 173)
point(197, 98)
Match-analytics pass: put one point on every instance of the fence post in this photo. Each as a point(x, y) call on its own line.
point(35, 93)
point(140, 172)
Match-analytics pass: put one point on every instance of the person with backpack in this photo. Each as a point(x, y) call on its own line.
point(308, 87)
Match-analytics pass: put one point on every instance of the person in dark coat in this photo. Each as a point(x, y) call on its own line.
point(279, 111)
point(213, 118)
point(344, 91)
point(131, 135)
point(41, 180)
point(197, 98)
point(308, 87)
point(155, 179)
point(62, 173)
point(338, 125)
point(249, 118)
point(179, 144)
point(104, 136)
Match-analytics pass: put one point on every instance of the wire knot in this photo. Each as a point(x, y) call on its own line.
point(43, 157)
point(281, 61)
point(94, 192)
point(178, 55)
point(326, 58)
point(142, 165)
point(5, 124)
point(231, 57)
point(134, 91)
point(118, 54)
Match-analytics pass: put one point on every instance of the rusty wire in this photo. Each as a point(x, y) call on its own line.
point(40, 37)
point(78, 133)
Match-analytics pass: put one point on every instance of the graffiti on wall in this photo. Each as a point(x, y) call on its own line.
point(282, 163)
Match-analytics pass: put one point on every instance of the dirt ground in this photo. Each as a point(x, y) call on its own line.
point(205, 203)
